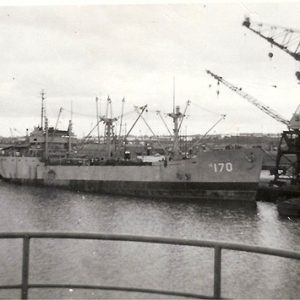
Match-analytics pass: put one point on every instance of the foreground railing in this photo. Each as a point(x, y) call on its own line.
point(217, 246)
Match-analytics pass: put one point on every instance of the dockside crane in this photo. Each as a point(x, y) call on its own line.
point(286, 39)
point(288, 153)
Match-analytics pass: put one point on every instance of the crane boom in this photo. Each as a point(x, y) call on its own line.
point(137, 109)
point(222, 117)
point(122, 114)
point(163, 120)
point(57, 120)
point(286, 39)
point(250, 99)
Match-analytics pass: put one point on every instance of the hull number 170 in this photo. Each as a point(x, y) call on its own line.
point(221, 167)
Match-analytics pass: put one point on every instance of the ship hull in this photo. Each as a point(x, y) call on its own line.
point(215, 175)
point(169, 190)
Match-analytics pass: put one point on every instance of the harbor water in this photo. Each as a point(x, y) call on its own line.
point(176, 268)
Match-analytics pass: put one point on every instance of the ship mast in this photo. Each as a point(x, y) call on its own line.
point(45, 119)
point(43, 112)
point(108, 121)
point(176, 115)
point(46, 154)
point(97, 119)
point(70, 138)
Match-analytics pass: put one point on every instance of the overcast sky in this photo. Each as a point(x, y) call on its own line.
point(78, 52)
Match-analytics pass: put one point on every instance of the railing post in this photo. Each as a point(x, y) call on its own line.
point(217, 272)
point(25, 267)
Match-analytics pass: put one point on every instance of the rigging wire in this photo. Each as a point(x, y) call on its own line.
point(205, 109)
point(93, 116)
point(156, 136)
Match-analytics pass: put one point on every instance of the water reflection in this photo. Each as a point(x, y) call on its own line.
point(24, 208)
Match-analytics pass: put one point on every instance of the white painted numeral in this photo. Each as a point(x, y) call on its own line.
point(220, 167)
point(229, 167)
point(215, 168)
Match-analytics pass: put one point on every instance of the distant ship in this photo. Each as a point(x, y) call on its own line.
point(47, 158)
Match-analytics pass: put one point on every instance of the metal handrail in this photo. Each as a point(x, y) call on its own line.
point(217, 246)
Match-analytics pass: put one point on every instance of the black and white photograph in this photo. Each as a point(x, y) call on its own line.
point(149, 149)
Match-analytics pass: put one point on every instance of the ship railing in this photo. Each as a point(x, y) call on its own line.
point(25, 285)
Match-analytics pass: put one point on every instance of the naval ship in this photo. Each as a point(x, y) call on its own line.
point(48, 158)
